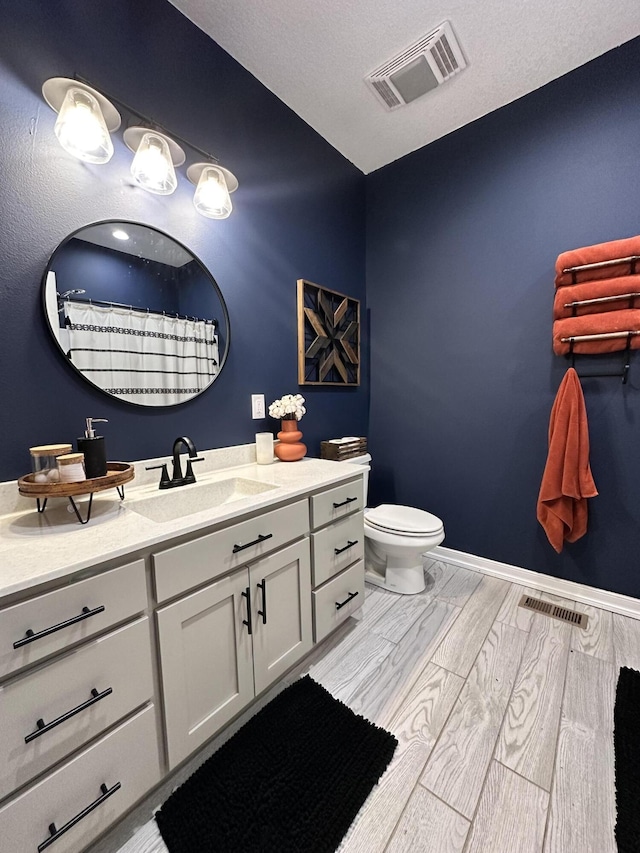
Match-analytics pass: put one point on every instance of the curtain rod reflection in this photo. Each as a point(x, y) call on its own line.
point(213, 322)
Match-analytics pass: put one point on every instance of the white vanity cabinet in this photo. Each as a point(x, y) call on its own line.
point(114, 673)
point(224, 644)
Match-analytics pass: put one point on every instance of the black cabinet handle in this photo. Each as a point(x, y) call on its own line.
point(257, 541)
point(56, 833)
point(349, 544)
point(344, 503)
point(263, 586)
point(247, 594)
point(43, 727)
point(341, 604)
point(30, 636)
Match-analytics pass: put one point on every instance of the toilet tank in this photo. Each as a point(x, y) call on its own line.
point(365, 459)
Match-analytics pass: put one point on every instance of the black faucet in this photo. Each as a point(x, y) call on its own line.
point(177, 478)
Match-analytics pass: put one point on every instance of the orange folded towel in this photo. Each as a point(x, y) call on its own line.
point(567, 481)
point(593, 255)
point(595, 324)
point(596, 290)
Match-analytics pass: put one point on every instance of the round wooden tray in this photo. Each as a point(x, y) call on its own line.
point(118, 473)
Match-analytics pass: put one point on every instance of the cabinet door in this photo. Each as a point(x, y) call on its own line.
point(206, 663)
point(281, 593)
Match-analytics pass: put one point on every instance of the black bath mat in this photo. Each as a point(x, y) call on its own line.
point(626, 739)
point(292, 778)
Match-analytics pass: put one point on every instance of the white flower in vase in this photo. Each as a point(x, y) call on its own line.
point(288, 408)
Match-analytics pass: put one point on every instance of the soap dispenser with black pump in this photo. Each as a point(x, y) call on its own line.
point(94, 449)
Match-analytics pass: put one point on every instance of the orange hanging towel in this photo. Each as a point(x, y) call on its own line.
point(567, 481)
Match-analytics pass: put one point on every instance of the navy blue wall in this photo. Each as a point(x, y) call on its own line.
point(462, 239)
point(113, 276)
point(299, 213)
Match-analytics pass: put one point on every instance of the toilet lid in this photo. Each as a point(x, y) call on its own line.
point(403, 519)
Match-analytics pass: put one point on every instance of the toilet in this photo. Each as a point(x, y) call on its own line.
point(396, 537)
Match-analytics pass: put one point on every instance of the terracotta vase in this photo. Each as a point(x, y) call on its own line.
point(289, 447)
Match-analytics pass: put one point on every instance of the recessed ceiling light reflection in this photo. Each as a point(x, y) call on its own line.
point(119, 234)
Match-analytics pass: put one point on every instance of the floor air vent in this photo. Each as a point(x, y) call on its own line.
point(553, 610)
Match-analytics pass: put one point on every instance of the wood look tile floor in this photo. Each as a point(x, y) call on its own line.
point(504, 719)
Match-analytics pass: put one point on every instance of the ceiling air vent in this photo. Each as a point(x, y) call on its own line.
point(425, 65)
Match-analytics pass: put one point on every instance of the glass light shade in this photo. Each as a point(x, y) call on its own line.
point(152, 166)
point(81, 128)
point(211, 197)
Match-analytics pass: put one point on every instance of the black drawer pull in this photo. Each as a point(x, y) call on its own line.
point(56, 833)
point(257, 541)
point(263, 586)
point(43, 727)
point(247, 594)
point(344, 503)
point(350, 544)
point(30, 636)
point(341, 604)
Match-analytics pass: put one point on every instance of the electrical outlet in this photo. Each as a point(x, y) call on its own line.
point(257, 406)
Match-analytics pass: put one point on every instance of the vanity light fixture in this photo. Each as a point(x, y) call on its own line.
point(213, 185)
point(155, 157)
point(85, 119)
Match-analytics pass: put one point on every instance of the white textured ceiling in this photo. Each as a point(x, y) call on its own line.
point(314, 57)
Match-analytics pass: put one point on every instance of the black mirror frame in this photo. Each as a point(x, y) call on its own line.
point(78, 372)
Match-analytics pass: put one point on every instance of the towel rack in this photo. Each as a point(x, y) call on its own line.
point(598, 337)
point(632, 260)
point(598, 300)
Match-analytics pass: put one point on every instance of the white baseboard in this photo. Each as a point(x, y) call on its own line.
point(613, 601)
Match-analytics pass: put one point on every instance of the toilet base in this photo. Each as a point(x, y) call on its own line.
point(407, 580)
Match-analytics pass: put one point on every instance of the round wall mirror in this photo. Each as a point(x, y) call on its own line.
point(136, 313)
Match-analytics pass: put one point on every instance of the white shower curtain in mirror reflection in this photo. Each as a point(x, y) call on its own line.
point(141, 357)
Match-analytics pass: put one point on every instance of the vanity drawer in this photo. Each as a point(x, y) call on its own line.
point(193, 563)
point(337, 546)
point(119, 662)
point(336, 503)
point(70, 614)
point(326, 613)
point(127, 757)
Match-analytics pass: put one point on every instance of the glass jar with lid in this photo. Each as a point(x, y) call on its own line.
point(44, 461)
point(71, 468)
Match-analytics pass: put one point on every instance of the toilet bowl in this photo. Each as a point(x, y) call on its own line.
point(396, 538)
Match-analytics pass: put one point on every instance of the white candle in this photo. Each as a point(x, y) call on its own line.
point(264, 448)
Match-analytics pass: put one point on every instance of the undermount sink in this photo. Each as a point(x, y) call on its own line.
point(187, 500)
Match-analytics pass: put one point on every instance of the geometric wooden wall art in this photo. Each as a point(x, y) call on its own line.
point(328, 336)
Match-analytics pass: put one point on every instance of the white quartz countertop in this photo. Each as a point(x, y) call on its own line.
point(37, 548)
